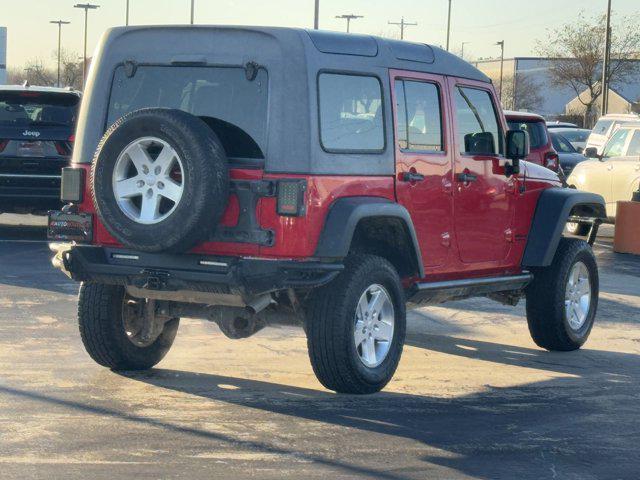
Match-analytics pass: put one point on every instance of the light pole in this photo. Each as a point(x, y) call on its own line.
point(448, 25)
point(402, 24)
point(126, 18)
point(316, 15)
point(59, 23)
point(605, 62)
point(462, 49)
point(501, 45)
point(86, 7)
point(348, 18)
point(192, 10)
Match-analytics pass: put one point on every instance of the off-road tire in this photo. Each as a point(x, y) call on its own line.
point(578, 229)
point(330, 323)
point(103, 335)
point(205, 179)
point(546, 318)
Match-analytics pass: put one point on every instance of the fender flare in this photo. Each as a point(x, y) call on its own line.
point(344, 216)
point(552, 212)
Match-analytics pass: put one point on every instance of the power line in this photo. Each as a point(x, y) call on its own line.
point(402, 24)
point(348, 18)
point(59, 23)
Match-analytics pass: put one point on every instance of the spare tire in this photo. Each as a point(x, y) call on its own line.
point(160, 180)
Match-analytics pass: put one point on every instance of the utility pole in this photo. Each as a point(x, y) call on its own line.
point(316, 16)
point(192, 10)
point(126, 18)
point(59, 23)
point(402, 24)
point(86, 7)
point(348, 18)
point(462, 49)
point(501, 45)
point(605, 62)
point(448, 25)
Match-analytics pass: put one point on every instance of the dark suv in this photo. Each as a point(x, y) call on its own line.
point(36, 137)
point(251, 176)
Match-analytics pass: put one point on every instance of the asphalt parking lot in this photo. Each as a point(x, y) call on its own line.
point(473, 396)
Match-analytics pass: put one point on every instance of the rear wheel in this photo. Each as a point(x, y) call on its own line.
point(356, 327)
point(563, 298)
point(115, 332)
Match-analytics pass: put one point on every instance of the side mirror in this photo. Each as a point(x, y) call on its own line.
point(517, 149)
point(591, 152)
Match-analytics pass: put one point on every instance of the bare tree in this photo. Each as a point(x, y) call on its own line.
point(36, 73)
point(578, 48)
point(71, 69)
point(522, 92)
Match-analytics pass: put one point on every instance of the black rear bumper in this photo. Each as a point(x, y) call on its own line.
point(173, 272)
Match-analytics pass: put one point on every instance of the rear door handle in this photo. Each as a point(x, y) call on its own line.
point(412, 177)
point(467, 177)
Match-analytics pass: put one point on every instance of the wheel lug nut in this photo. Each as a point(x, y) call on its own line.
point(145, 169)
point(160, 185)
point(157, 170)
point(140, 183)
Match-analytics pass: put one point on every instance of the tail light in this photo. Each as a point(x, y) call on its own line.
point(72, 184)
point(63, 148)
point(72, 138)
point(552, 161)
point(3, 144)
point(291, 197)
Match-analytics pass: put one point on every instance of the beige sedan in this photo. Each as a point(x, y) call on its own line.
point(615, 175)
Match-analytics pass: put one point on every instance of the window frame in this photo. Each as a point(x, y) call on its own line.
point(443, 142)
point(501, 126)
point(625, 143)
point(382, 104)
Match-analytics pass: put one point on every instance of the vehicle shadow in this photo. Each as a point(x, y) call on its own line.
point(514, 432)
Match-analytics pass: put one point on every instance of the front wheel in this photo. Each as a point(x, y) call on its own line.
point(115, 332)
point(563, 298)
point(356, 326)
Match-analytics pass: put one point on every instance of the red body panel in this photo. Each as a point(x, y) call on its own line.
point(464, 229)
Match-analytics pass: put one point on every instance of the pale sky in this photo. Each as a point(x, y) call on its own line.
point(481, 22)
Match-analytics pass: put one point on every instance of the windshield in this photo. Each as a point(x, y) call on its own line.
point(537, 131)
point(574, 134)
point(602, 127)
point(233, 105)
point(561, 144)
point(29, 108)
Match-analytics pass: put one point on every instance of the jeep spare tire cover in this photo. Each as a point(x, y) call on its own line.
point(160, 180)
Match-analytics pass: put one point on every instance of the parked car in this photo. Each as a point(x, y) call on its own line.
point(569, 156)
point(605, 127)
point(614, 175)
point(576, 136)
point(542, 151)
point(394, 180)
point(36, 139)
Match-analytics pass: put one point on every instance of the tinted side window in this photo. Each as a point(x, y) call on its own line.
point(602, 126)
point(634, 145)
point(351, 113)
point(615, 145)
point(478, 129)
point(424, 118)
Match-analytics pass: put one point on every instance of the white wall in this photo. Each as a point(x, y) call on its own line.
point(3, 55)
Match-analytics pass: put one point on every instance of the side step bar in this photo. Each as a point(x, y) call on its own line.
point(429, 293)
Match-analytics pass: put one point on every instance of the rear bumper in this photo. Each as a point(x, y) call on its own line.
point(179, 272)
point(29, 191)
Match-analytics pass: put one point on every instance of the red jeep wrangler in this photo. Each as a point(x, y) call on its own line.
point(251, 176)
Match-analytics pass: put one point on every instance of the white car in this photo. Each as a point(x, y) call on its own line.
point(605, 127)
point(615, 174)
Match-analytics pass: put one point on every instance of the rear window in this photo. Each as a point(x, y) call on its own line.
point(350, 113)
point(231, 104)
point(38, 109)
point(602, 127)
point(574, 134)
point(537, 132)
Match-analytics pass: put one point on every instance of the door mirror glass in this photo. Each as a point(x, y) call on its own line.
point(480, 143)
point(591, 152)
point(517, 145)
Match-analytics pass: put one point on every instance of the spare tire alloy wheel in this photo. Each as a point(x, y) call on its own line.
point(148, 180)
point(160, 180)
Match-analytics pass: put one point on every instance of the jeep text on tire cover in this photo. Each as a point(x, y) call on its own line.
point(251, 176)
